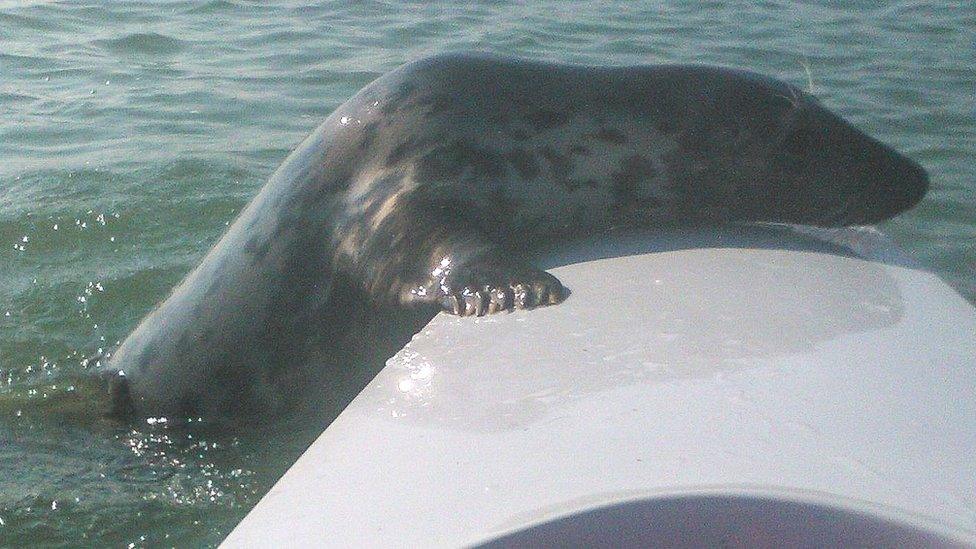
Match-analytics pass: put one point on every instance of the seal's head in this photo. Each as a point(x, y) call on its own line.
point(873, 181)
point(797, 162)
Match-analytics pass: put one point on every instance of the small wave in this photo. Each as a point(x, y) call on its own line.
point(290, 35)
point(17, 21)
point(195, 168)
point(13, 97)
point(145, 43)
point(215, 6)
point(27, 61)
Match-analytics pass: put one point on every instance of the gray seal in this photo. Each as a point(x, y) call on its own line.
point(426, 188)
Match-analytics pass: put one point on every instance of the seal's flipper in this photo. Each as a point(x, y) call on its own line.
point(492, 284)
point(121, 406)
point(488, 284)
point(434, 250)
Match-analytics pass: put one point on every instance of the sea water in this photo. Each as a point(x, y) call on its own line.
point(132, 132)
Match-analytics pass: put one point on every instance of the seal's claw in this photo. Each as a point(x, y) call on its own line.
point(541, 292)
point(522, 299)
point(498, 300)
point(492, 286)
point(556, 296)
point(481, 303)
point(473, 302)
point(452, 304)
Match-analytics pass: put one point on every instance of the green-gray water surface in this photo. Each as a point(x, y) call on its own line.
point(132, 132)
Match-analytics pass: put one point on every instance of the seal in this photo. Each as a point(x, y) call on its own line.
point(425, 189)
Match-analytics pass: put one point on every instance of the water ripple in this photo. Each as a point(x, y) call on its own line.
point(149, 43)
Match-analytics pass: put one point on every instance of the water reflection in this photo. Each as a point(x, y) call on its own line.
point(69, 482)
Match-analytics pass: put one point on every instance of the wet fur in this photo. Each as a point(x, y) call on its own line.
point(434, 179)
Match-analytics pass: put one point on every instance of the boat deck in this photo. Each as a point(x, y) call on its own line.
point(744, 362)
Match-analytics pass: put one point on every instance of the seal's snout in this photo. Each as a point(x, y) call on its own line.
point(892, 182)
point(868, 181)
